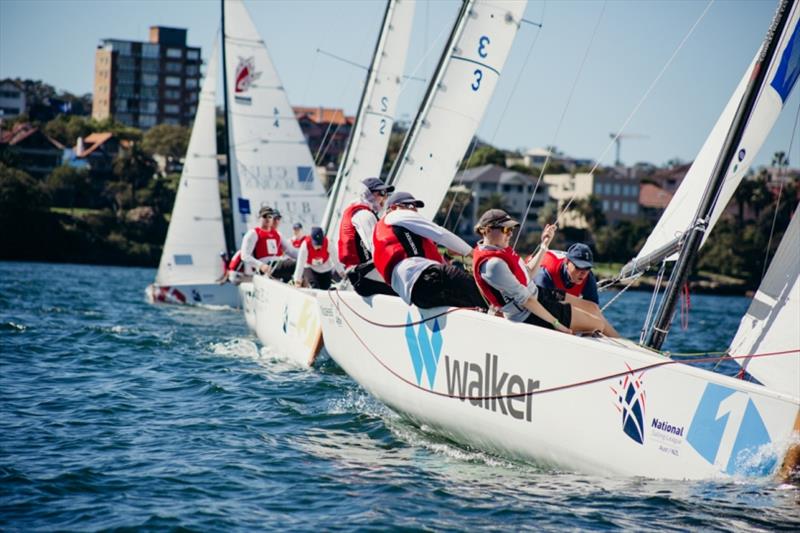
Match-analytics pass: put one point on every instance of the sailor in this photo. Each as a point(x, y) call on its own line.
point(315, 261)
point(262, 247)
point(297, 234)
point(407, 257)
point(282, 268)
point(355, 238)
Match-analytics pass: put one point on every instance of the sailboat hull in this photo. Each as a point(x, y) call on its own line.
point(594, 405)
point(225, 294)
point(284, 318)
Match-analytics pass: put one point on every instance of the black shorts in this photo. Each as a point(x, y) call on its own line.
point(562, 311)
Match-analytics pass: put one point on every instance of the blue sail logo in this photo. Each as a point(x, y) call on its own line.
point(425, 348)
point(789, 68)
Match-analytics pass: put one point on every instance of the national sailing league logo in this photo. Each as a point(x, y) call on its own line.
point(245, 76)
point(630, 402)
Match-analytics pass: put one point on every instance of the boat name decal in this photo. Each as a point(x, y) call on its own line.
point(663, 425)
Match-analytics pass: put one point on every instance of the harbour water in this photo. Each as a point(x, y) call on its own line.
point(118, 414)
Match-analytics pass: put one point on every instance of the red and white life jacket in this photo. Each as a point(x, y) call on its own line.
point(395, 243)
point(317, 256)
point(515, 264)
point(553, 263)
point(351, 251)
point(267, 245)
point(297, 241)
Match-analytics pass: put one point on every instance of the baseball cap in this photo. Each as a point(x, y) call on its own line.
point(496, 218)
point(376, 184)
point(317, 236)
point(297, 225)
point(403, 198)
point(265, 210)
point(580, 255)
point(276, 213)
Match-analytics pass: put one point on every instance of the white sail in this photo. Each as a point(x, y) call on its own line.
point(772, 323)
point(781, 78)
point(196, 237)
point(270, 160)
point(457, 100)
point(370, 136)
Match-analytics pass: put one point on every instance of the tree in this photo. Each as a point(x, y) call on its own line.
point(493, 201)
point(591, 209)
point(167, 140)
point(67, 128)
point(68, 186)
point(486, 155)
point(135, 167)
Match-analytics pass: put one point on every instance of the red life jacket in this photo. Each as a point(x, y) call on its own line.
point(297, 242)
point(267, 245)
point(553, 262)
point(317, 256)
point(514, 262)
point(395, 243)
point(351, 251)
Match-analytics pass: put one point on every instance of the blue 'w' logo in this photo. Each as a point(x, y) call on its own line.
point(424, 348)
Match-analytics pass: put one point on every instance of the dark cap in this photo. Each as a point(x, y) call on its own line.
point(580, 255)
point(265, 210)
point(317, 235)
point(495, 218)
point(276, 213)
point(376, 184)
point(297, 225)
point(403, 198)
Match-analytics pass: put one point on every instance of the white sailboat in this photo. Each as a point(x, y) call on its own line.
point(600, 405)
point(287, 318)
point(192, 270)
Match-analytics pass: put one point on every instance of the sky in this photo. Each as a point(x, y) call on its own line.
point(622, 45)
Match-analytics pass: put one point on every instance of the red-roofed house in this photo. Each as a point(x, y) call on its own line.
point(96, 152)
point(31, 150)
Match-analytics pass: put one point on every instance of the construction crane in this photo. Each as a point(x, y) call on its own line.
point(618, 142)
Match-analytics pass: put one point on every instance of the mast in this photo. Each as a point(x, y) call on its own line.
point(688, 256)
point(426, 102)
point(229, 233)
point(341, 174)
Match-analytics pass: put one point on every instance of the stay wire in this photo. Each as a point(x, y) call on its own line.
point(644, 97)
point(563, 116)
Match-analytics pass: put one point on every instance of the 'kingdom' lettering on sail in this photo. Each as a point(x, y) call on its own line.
point(485, 387)
point(665, 426)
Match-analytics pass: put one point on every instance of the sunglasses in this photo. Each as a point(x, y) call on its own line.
point(380, 193)
point(504, 229)
point(266, 216)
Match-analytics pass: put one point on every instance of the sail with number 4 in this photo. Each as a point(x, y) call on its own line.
point(456, 100)
point(782, 74)
point(270, 160)
point(373, 126)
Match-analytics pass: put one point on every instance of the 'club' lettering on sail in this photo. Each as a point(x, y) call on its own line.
point(485, 387)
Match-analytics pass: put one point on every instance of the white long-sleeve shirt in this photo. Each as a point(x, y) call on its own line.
point(302, 259)
point(407, 271)
point(249, 241)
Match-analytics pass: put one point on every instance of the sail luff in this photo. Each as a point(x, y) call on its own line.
point(688, 255)
point(230, 238)
point(369, 137)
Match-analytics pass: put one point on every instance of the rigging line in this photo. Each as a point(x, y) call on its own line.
point(612, 300)
point(646, 94)
point(653, 299)
point(563, 116)
point(780, 190)
point(557, 388)
point(343, 60)
point(325, 136)
point(431, 48)
point(499, 122)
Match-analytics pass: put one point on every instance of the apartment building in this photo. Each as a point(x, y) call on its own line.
point(142, 84)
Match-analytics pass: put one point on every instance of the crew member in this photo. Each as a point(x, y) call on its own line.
point(282, 268)
point(315, 263)
point(505, 280)
point(355, 238)
point(407, 258)
point(262, 248)
point(297, 234)
point(569, 277)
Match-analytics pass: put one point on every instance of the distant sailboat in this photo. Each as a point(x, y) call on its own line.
point(601, 405)
point(192, 269)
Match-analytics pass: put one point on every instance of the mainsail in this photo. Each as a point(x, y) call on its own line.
point(195, 237)
point(772, 323)
point(457, 99)
point(270, 160)
point(370, 135)
point(782, 74)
